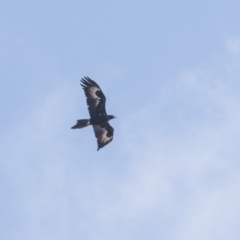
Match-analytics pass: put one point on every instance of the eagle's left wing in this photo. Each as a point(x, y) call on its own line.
point(95, 97)
point(103, 133)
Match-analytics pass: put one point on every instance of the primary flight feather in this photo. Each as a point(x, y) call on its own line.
point(98, 115)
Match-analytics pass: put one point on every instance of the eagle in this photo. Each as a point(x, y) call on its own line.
point(98, 116)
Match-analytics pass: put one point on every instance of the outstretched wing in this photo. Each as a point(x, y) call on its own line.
point(103, 133)
point(95, 97)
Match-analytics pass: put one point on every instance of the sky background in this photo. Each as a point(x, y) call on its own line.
point(170, 72)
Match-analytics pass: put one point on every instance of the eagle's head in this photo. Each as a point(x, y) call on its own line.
point(111, 117)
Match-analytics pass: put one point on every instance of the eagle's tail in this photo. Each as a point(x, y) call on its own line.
point(81, 123)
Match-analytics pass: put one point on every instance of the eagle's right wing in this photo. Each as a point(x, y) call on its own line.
point(104, 134)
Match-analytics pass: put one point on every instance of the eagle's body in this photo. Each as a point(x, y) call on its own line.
point(98, 115)
point(97, 120)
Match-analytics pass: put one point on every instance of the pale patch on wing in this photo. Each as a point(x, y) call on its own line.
point(92, 91)
point(92, 99)
point(104, 134)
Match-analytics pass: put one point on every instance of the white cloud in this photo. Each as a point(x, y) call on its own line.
point(174, 174)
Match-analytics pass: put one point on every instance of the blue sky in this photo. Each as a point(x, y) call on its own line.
point(170, 71)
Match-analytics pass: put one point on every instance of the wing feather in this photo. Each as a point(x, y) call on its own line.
point(95, 97)
point(104, 134)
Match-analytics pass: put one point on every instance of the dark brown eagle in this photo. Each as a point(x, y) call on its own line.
point(98, 115)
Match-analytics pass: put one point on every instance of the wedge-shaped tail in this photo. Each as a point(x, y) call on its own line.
point(81, 123)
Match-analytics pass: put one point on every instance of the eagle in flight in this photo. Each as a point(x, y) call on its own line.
point(98, 115)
